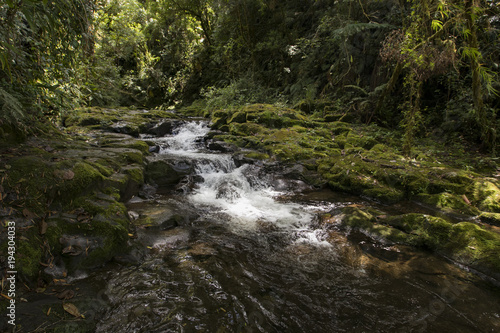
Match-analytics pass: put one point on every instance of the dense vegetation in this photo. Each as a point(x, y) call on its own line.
point(425, 67)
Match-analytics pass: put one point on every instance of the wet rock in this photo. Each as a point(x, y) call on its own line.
point(487, 195)
point(228, 191)
point(125, 128)
point(147, 191)
point(449, 203)
point(132, 215)
point(465, 242)
point(165, 172)
point(201, 250)
point(165, 127)
point(154, 149)
point(221, 146)
point(290, 185)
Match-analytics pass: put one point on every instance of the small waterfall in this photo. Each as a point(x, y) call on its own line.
point(240, 195)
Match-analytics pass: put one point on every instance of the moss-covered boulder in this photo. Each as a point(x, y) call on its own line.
point(65, 192)
point(487, 196)
point(465, 242)
point(448, 203)
point(118, 120)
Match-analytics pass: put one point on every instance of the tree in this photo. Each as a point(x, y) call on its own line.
point(40, 44)
point(437, 32)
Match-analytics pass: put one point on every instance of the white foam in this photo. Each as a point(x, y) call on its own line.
point(245, 200)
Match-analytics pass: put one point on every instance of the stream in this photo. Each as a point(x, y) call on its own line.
point(245, 254)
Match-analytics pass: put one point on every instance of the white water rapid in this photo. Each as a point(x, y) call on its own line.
point(239, 195)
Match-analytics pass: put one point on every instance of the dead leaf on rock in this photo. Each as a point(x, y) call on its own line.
point(72, 310)
point(27, 214)
point(43, 228)
point(72, 251)
point(66, 294)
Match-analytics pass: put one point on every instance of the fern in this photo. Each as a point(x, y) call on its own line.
point(11, 108)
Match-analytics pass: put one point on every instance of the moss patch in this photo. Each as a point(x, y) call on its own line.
point(449, 203)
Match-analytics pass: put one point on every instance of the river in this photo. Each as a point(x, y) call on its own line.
point(247, 255)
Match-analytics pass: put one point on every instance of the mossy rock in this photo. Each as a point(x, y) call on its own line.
point(449, 203)
point(94, 236)
point(465, 242)
point(117, 120)
point(166, 173)
point(491, 218)
point(384, 194)
point(365, 221)
point(86, 178)
point(472, 245)
point(29, 254)
point(487, 196)
point(255, 155)
point(422, 230)
point(238, 117)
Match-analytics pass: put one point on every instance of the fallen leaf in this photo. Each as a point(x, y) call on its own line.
point(72, 310)
point(43, 228)
point(66, 294)
point(72, 251)
point(27, 214)
point(48, 312)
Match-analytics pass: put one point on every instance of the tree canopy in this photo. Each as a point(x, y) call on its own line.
point(424, 66)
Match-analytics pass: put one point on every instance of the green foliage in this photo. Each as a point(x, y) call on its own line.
point(40, 43)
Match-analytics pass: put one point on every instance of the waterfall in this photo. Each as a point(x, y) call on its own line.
point(240, 194)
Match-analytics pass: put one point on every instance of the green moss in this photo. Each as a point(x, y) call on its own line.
point(138, 145)
point(135, 173)
point(448, 202)
point(86, 178)
point(245, 129)
point(472, 244)
point(487, 196)
point(238, 117)
point(493, 218)
point(422, 230)
point(33, 179)
point(257, 155)
point(364, 221)
point(133, 156)
point(104, 170)
point(384, 194)
point(29, 256)
point(197, 109)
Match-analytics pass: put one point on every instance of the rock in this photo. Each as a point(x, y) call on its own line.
point(132, 215)
point(201, 250)
point(221, 146)
point(167, 171)
point(165, 127)
point(154, 149)
point(147, 191)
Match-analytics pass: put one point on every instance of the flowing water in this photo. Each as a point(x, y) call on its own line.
point(244, 259)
